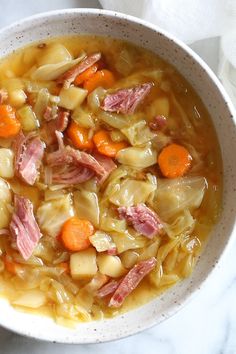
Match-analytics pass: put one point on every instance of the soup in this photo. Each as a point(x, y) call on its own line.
point(110, 177)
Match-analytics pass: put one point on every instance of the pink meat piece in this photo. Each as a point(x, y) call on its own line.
point(48, 114)
point(71, 175)
point(71, 166)
point(59, 123)
point(112, 251)
point(142, 218)
point(69, 76)
point(131, 281)
point(24, 227)
point(126, 100)
point(3, 95)
point(29, 152)
point(108, 289)
point(107, 163)
point(158, 123)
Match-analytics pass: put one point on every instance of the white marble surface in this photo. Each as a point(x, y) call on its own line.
point(205, 326)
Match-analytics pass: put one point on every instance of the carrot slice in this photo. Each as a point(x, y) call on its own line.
point(75, 234)
point(10, 265)
point(103, 78)
point(105, 145)
point(174, 161)
point(87, 74)
point(9, 125)
point(79, 136)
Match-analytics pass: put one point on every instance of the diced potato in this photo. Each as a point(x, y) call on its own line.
point(5, 192)
point(5, 215)
point(17, 97)
point(6, 163)
point(83, 264)
point(83, 118)
point(33, 298)
point(72, 97)
point(27, 118)
point(110, 265)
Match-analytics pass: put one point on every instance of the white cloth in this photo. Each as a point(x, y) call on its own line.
point(192, 20)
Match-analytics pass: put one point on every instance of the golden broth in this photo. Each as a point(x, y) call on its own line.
point(188, 124)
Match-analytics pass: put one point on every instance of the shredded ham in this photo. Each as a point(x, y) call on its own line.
point(131, 281)
point(58, 123)
point(71, 166)
point(108, 165)
point(126, 100)
point(3, 95)
point(23, 227)
point(142, 218)
point(69, 76)
point(108, 289)
point(158, 123)
point(29, 152)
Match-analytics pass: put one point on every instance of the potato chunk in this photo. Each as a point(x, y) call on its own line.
point(83, 264)
point(6, 163)
point(110, 265)
point(72, 97)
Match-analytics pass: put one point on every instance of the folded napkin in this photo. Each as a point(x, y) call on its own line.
point(192, 20)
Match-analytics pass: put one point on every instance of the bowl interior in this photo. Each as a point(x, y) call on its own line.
point(211, 92)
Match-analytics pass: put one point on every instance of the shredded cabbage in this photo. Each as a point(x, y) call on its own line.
point(52, 214)
point(50, 72)
point(138, 157)
point(132, 192)
point(138, 133)
point(175, 195)
point(86, 206)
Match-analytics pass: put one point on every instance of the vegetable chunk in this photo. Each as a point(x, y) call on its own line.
point(83, 264)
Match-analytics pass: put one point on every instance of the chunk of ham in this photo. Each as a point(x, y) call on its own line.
point(108, 289)
point(71, 166)
point(3, 95)
point(158, 123)
point(58, 123)
point(142, 218)
point(29, 152)
point(24, 227)
point(69, 76)
point(107, 163)
point(126, 100)
point(131, 281)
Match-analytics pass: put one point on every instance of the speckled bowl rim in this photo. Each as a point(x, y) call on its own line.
point(174, 308)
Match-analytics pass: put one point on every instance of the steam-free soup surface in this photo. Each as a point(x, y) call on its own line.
point(110, 177)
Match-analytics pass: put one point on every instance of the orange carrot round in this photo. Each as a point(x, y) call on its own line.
point(105, 145)
point(9, 124)
point(87, 74)
point(75, 234)
point(103, 78)
point(174, 161)
point(79, 136)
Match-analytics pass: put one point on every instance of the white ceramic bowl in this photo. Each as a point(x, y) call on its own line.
point(84, 21)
